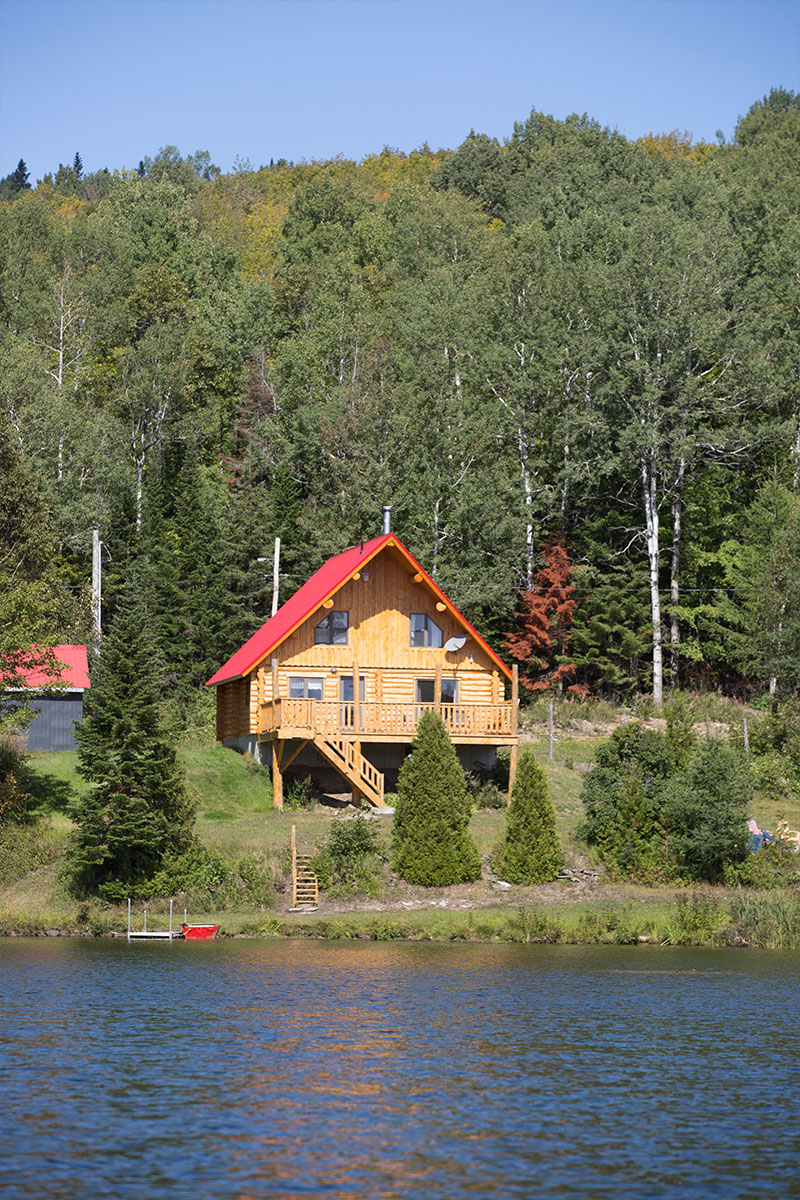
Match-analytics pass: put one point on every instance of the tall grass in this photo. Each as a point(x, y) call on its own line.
point(771, 921)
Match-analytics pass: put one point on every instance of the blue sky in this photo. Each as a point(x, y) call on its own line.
point(304, 79)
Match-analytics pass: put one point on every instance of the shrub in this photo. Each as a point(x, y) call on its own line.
point(771, 866)
point(705, 812)
point(649, 820)
point(530, 852)
point(207, 880)
point(697, 921)
point(13, 790)
point(680, 729)
point(488, 786)
point(622, 799)
point(430, 835)
point(299, 794)
point(352, 858)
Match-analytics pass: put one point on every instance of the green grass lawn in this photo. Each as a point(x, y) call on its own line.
point(235, 817)
point(234, 797)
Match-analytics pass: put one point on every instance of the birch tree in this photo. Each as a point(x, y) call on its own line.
point(670, 357)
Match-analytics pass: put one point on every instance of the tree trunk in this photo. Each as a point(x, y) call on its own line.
point(651, 530)
point(527, 491)
point(674, 584)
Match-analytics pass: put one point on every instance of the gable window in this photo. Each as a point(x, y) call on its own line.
point(305, 688)
point(425, 631)
point(332, 629)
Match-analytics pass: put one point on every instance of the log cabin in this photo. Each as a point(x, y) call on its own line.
point(337, 679)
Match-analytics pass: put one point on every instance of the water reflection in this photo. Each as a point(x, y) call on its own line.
point(283, 1069)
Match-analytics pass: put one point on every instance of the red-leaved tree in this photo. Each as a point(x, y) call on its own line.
point(545, 617)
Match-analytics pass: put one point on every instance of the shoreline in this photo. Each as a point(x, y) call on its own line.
point(710, 919)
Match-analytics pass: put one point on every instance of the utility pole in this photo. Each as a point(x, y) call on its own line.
point(97, 593)
point(275, 575)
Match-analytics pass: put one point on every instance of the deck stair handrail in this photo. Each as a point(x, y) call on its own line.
point(305, 885)
point(348, 760)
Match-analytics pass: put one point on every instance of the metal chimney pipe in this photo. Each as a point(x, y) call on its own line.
point(387, 518)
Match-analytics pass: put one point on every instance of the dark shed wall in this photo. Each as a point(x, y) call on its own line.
point(53, 727)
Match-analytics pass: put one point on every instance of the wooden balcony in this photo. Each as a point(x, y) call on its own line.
point(370, 721)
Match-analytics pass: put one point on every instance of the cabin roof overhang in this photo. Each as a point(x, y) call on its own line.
point(321, 588)
point(68, 671)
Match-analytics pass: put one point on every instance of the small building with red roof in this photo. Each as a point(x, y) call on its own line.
point(337, 679)
point(55, 685)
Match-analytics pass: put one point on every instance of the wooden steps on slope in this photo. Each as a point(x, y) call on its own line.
point(345, 757)
point(305, 885)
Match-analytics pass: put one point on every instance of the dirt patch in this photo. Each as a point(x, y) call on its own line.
point(576, 883)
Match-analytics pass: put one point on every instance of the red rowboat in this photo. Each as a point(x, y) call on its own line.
point(199, 933)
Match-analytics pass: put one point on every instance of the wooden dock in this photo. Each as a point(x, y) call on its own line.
point(153, 935)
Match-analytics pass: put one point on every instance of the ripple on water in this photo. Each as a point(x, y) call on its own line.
point(284, 1069)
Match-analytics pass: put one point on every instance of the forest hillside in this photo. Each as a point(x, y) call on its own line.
point(569, 361)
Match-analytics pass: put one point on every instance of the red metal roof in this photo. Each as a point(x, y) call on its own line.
point(319, 588)
point(75, 672)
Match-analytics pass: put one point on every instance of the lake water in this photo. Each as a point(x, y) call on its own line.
point(284, 1069)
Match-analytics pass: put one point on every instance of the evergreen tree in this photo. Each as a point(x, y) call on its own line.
point(20, 177)
point(431, 842)
point(530, 852)
point(11, 185)
point(623, 801)
point(135, 811)
point(705, 812)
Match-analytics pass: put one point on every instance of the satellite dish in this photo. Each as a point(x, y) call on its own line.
point(454, 643)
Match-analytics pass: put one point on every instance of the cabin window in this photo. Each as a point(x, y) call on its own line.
point(309, 688)
point(426, 691)
point(346, 689)
point(425, 631)
point(332, 629)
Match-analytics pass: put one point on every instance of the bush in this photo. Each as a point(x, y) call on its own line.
point(705, 812)
point(697, 921)
point(203, 879)
point(430, 833)
point(649, 820)
point(484, 793)
point(771, 866)
point(299, 794)
point(530, 852)
point(13, 791)
point(352, 858)
point(623, 799)
point(680, 729)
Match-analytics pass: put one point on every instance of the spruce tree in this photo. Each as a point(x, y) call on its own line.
point(431, 842)
point(135, 811)
point(530, 852)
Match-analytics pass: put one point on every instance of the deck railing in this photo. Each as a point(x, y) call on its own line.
point(372, 718)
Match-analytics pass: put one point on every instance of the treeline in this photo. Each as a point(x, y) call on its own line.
point(565, 338)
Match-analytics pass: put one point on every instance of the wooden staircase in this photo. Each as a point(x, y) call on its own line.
point(305, 887)
point(345, 757)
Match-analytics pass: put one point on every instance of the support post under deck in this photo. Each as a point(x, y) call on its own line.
point(277, 777)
